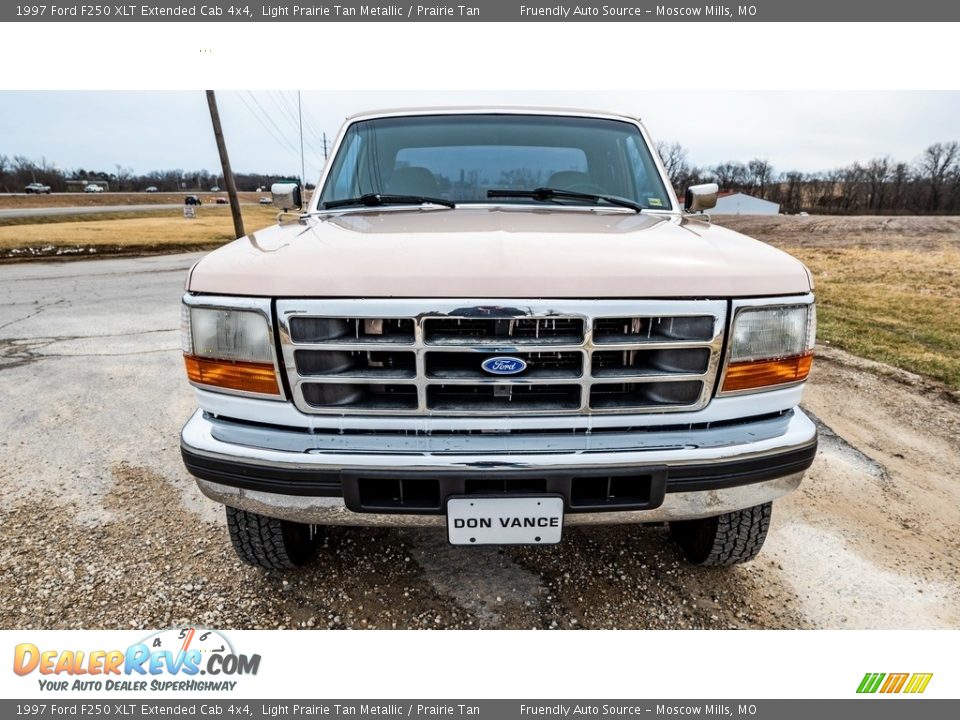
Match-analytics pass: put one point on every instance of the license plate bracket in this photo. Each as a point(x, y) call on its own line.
point(526, 520)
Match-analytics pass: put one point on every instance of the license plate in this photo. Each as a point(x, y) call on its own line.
point(504, 521)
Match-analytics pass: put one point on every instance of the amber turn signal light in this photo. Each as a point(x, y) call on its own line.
point(244, 376)
point(762, 373)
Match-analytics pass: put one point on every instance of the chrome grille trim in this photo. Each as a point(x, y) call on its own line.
point(422, 310)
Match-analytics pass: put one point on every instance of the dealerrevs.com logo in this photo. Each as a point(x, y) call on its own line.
point(180, 659)
point(892, 683)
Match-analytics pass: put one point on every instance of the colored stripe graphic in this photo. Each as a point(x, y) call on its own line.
point(918, 683)
point(894, 683)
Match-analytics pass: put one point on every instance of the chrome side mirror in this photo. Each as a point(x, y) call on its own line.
point(701, 197)
point(286, 196)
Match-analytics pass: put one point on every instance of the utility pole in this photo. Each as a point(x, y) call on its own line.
point(225, 162)
point(324, 146)
point(303, 166)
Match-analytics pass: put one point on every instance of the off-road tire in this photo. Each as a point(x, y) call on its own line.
point(724, 540)
point(270, 543)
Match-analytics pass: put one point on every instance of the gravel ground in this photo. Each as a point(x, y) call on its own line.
point(102, 528)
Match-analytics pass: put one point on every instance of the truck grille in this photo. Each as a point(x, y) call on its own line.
point(425, 357)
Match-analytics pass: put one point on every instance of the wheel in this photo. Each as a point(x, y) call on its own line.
point(270, 543)
point(724, 540)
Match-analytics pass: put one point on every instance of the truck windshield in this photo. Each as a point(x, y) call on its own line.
point(461, 158)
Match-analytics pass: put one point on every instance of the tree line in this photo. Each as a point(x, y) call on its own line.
point(930, 184)
point(17, 172)
point(882, 186)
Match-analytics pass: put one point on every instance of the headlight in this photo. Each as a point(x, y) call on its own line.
point(228, 348)
point(770, 346)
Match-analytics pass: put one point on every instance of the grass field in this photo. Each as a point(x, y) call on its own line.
point(888, 288)
point(9, 202)
point(152, 231)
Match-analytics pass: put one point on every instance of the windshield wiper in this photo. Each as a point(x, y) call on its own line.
point(378, 199)
point(547, 193)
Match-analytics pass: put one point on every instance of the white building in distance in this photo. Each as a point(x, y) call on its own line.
point(742, 204)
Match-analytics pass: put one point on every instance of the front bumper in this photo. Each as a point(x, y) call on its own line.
point(306, 477)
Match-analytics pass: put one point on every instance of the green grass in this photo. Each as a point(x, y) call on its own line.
point(900, 307)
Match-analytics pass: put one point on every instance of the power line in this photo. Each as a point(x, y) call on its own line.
point(304, 122)
point(278, 140)
point(297, 122)
point(322, 141)
point(269, 118)
point(273, 129)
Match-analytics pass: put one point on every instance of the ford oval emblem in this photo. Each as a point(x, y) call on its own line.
point(503, 365)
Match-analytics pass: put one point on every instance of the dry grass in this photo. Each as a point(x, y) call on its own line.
point(888, 289)
point(90, 217)
point(9, 202)
point(150, 232)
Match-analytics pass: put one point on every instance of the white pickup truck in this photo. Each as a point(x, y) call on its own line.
point(499, 322)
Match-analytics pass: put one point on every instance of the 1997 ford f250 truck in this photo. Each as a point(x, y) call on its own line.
point(498, 321)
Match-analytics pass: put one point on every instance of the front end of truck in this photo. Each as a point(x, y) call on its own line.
point(480, 369)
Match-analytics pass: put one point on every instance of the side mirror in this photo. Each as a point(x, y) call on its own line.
point(286, 196)
point(701, 197)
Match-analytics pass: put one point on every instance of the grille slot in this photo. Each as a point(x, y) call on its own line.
point(356, 363)
point(359, 396)
point(351, 330)
point(503, 331)
point(541, 365)
point(423, 357)
point(644, 395)
point(684, 361)
point(592, 492)
point(503, 398)
point(652, 329)
point(391, 493)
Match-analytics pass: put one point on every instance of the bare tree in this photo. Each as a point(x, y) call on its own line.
point(760, 173)
point(936, 165)
point(731, 175)
point(674, 157)
point(877, 174)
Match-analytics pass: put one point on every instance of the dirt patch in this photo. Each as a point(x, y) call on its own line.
point(898, 232)
point(153, 565)
point(89, 252)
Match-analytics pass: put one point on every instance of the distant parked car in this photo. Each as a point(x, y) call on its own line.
point(265, 201)
point(92, 188)
point(221, 201)
point(192, 200)
point(152, 188)
point(215, 188)
point(37, 189)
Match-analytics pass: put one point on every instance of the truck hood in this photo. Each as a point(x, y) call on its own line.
point(499, 252)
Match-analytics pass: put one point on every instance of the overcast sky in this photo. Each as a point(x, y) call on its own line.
point(805, 131)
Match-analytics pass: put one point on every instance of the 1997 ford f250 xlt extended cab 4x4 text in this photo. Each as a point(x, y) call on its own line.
point(502, 322)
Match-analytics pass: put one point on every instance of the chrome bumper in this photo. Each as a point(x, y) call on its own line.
point(250, 447)
point(332, 511)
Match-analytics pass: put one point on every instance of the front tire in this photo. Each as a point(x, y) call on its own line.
point(270, 543)
point(724, 540)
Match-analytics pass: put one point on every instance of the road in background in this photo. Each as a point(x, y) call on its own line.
point(103, 528)
point(84, 210)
